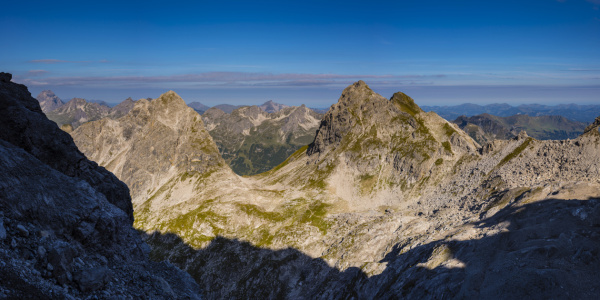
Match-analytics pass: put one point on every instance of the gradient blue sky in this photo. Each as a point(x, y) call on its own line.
point(438, 52)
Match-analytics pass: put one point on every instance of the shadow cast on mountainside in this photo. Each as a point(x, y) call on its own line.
point(547, 249)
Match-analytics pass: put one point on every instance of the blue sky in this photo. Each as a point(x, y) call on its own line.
point(438, 52)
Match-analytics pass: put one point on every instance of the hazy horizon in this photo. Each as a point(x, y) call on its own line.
point(437, 52)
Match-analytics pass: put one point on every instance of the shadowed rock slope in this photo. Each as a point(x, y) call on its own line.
point(388, 200)
point(65, 222)
point(253, 141)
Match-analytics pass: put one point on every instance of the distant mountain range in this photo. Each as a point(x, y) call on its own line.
point(77, 111)
point(199, 107)
point(581, 113)
point(486, 128)
point(269, 107)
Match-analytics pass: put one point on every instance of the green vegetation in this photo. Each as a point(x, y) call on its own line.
point(515, 152)
point(439, 161)
point(501, 198)
point(405, 104)
point(315, 215)
point(292, 157)
point(448, 147)
point(317, 179)
point(261, 150)
point(367, 183)
point(448, 130)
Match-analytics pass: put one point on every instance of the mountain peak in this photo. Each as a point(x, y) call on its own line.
point(358, 106)
point(271, 106)
point(48, 101)
point(170, 100)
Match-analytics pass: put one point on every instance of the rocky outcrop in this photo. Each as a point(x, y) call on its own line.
point(156, 140)
point(391, 140)
point(49, 101)
point(24, 125)
point(593, 128)
point(65, 223)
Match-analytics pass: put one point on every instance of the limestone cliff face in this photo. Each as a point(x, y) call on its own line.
point(253, 141)
point(154, 141)
point(65, 223)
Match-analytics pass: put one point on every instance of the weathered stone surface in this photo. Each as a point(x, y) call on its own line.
point(149, 143)
point(2, 230)
point(23, 124)
point(593, 128)
point(92, 279)
point(48, 187)
point(22, 230)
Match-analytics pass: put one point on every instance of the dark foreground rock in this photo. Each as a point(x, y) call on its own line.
point(65, 223)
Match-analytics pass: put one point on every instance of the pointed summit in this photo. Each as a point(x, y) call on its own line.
point(357, 104)
point(271, 107)
point(152, 142)
point(49, 101)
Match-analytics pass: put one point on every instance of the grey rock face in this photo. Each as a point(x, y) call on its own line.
point(63, 213)
point(2, 230)
point(24, 125)
point(49, 101)
point(151, 139)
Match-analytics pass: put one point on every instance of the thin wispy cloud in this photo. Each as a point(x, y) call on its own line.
point(61, 61)
point(34, 73)
point(233, 79)
point(48, 61)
